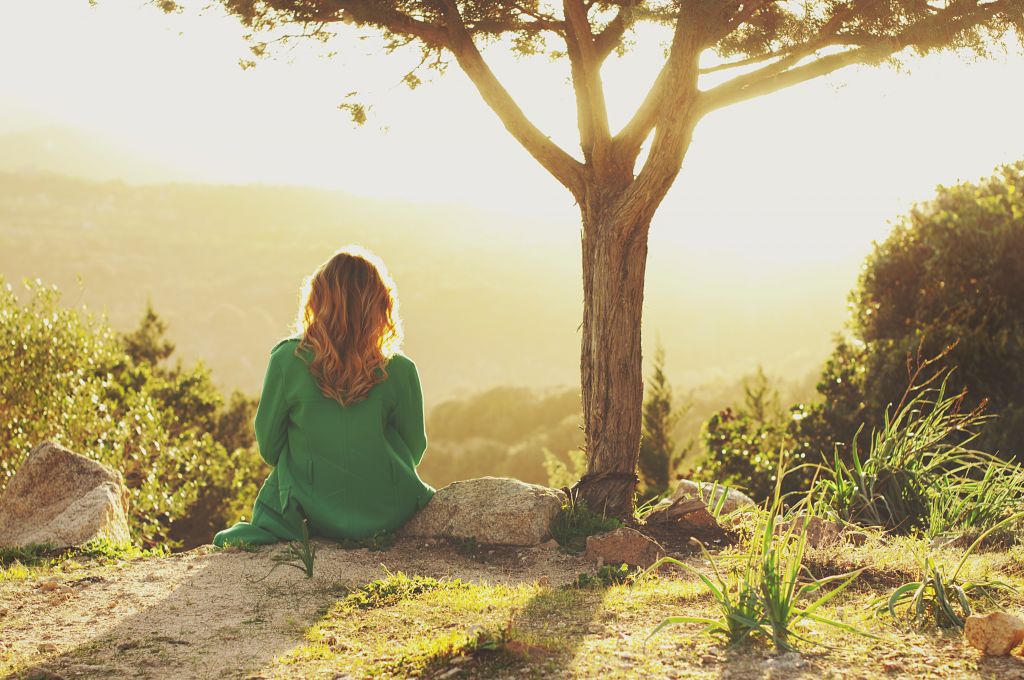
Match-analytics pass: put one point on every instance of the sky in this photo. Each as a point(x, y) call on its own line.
point(784, 185)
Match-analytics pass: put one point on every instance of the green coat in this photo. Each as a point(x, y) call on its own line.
point(351, 470)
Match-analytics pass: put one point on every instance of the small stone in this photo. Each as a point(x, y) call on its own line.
point(995, 634)
point(688, 514)
point(734, 500)
point(623, 545)
point(820, 532)
point(787, 661)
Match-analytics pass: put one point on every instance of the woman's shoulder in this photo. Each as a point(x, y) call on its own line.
point(401, 362)
point(291, 339)
point(285, 349)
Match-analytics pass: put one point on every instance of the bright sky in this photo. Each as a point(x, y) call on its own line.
point(802, 178)
point(798, 172)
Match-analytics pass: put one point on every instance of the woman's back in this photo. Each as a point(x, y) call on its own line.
point(343, 433)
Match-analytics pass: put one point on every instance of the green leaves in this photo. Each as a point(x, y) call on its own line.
point(66, 375)
point(765, 594)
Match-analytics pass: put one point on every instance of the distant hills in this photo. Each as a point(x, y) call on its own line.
point(487, 299)
point(67, 151)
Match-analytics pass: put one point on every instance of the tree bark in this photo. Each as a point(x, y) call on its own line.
point(614, 262)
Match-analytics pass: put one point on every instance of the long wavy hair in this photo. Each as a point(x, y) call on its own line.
point(348, 318)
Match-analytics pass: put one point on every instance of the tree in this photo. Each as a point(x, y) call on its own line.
point(742, 443)
point(768, 44)
point(762, 400)
point(657, 448)
point(950, 274)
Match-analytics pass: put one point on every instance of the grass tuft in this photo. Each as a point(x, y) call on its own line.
point(575, 522)
point(396, 587)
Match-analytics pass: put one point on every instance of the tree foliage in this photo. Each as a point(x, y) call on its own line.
point(950, 275)
point(658, 452)
point(743, 443)
point(67, 376)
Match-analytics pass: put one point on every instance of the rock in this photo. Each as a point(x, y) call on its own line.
point(995, 634)
point(734, 500)
point(688, 514)
point(623, 545)
point(64, 499)
point(820, 532)
point(492, 510)
point(785, 662)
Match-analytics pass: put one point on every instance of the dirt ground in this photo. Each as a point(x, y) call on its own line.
point(192, 614)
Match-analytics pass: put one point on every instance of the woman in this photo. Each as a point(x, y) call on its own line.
point(340, 418)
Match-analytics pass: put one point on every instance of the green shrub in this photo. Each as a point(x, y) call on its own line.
point(919, 473)
point(951, 271)
point(66, 376)
point(770, 592)
point(944, 598)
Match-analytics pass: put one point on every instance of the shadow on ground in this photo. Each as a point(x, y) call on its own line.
point(212, 614)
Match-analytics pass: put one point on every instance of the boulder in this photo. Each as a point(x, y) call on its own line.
point(492, 510)
point(995, 634)
point(64, 499)
point(623, 545)
point(734, 500)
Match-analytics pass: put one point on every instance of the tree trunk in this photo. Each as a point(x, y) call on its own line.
point(614, 261)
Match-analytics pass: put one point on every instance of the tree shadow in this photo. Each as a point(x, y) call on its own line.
point(547, 633)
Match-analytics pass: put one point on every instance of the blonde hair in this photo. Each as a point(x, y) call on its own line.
point(348, 318)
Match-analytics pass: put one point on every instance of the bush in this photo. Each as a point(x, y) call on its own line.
point(919, 473)
point(67, 376)
point(951, 271)
point(742, 444)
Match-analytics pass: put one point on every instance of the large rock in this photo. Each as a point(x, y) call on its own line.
point(734, 500)
point(64, 499)
point(493, 510)
point(995, 634)
point(623, 545)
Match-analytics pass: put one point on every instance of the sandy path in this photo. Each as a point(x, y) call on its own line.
point(201, 615)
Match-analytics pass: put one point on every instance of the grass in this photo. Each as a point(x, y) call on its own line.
point(394, 588)
point(919, 473)
point(944, 598)
point(766, 594)
point(575, 522)
point(301, 555)
point(18, 563)
point(415, 626)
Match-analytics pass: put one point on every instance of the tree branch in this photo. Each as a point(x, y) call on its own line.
point(671, 111)
point(553, 158)
point(609, 38)
point(591, 108)
point(783, 73)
